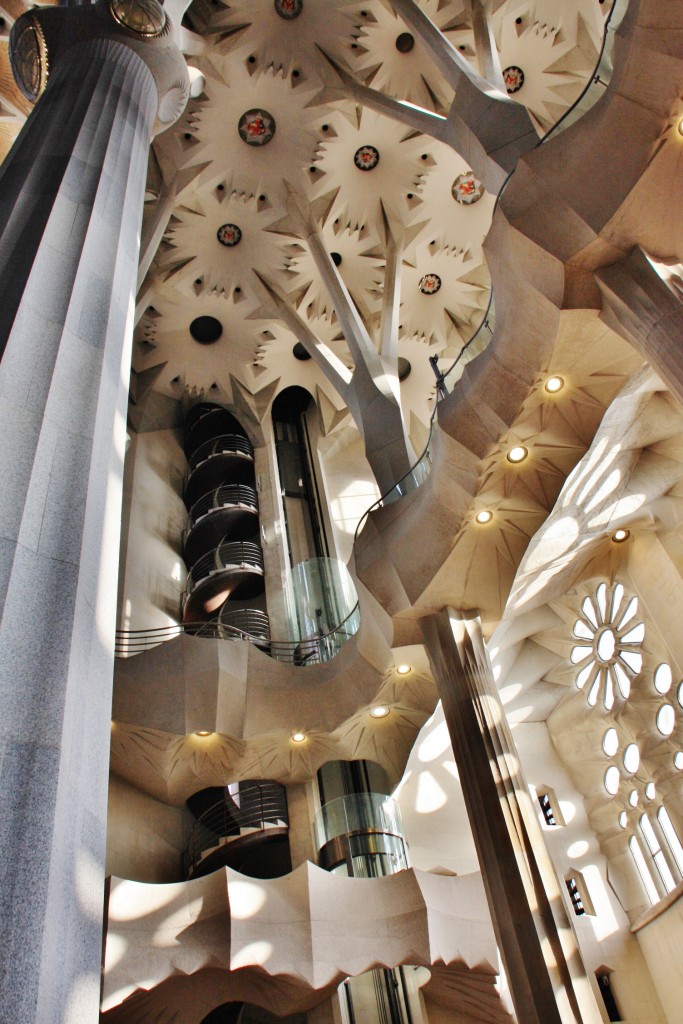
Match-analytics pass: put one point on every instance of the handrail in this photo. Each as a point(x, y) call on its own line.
point(224, 444)
point(261, 806)
point(307, 651)
point(441, 393)
point(235, 554)
point(225, 496)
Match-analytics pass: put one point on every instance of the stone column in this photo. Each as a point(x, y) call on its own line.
point(71, 194)
point(546, 977)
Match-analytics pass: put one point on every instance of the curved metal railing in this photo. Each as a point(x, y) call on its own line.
point(236, 554)
point(224, 444)
point(225, 496)
point(257, 807)
point(311, 651)
point(250, 621)
point(588, 97)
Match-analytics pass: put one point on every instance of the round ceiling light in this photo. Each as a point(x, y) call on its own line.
point(403, 670)
point(366, 158)
point(206, 329)
point(553, 385)
point(619, 536)
point(256, 127)
point(202, 732)
point(229, 235)
point(517, 454)
point(381, 711)
point(298, 737)
point(485, 516)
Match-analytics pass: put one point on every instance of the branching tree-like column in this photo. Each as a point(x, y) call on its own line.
point(106, 78)
point(483, 125)
point(547, 980)
point(372, 390)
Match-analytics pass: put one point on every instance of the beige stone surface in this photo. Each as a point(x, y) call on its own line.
point(309, 930)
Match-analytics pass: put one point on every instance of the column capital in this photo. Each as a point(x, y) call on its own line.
point(42, 39)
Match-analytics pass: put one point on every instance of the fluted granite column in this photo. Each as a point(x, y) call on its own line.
point(71, 194)
point(547, 980)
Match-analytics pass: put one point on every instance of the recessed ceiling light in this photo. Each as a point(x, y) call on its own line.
point(517, 454)
point(619, 536)
point(485, 516)
point(403, 670)
point(202, 732)
point(680, 126)
point(298, 737)
point(381, 711)
point(553, 385)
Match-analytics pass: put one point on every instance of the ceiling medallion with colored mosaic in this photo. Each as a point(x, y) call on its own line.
point(288, 9)
point(229, 234)
point(366, 158)
point(429, 284)
point(256, 127)
point(513, 78)
point(467, 189)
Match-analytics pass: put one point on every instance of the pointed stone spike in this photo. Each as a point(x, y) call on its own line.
point(141, 383)
point(264, 397)
point(329, 415)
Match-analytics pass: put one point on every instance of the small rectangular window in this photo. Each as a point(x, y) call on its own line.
point(575, 896)
point(547, 808)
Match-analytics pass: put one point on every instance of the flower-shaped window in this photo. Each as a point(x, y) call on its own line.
point(608, 655)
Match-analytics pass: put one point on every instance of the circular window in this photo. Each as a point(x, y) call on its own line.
point(632, 758)
point(633, 798)
point(666, 719)
point(609, 656)
point(513, 78)
point(663, 678)
point(466, 189)
point(612, 779)
point(144, 17)
point(623, 819)
point(366, 158)
point(229, 235)
point(256, 127)
point(206, 329)
point(650, 791)
point(28, 57)
point(678, 760)
point(429, 284)
point(288, 9)
point(610, 742)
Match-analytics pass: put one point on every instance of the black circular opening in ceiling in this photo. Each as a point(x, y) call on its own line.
point(405, 42)
point(404, 368)
point(206, 329)
point(299, 352)
point(336, 258)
